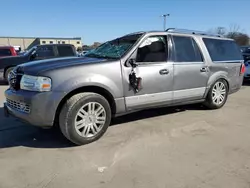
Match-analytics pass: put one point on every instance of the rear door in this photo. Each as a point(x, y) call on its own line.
point(65, 50)
point(190, 70)
point(226, 56)
point(45, 52)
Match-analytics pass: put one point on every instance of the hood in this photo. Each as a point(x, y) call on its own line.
point(36, 67)
point(12, 60)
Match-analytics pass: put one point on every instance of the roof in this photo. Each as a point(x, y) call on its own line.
point(6, 46)
point(184, 32)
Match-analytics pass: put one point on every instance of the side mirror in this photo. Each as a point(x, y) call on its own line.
point(33, 56)
point(133, 63)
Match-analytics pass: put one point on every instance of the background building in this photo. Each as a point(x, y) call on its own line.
point(28, 42)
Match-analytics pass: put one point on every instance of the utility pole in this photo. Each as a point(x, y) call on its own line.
point(164, 20)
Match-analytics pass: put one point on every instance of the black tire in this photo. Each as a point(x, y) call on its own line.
point(69, 112)
point(209, 103)
point(6, 73)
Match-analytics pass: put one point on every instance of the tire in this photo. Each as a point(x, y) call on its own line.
point(6, 73)
point(69, 114)
point(213, 103)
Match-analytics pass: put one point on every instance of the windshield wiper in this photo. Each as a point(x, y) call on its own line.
point(99, 56)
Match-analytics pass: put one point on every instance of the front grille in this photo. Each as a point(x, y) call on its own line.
point(19, 106)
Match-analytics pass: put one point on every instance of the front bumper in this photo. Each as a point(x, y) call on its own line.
point(32, 107)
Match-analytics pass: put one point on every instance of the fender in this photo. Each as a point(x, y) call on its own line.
point(214, 77)
point(91, 79)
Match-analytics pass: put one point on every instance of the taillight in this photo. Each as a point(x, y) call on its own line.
point(242, 69)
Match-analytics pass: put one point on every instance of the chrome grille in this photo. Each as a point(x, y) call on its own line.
point(19, 106)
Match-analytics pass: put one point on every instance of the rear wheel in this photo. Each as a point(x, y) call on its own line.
point(217, 95)
point(85, 117)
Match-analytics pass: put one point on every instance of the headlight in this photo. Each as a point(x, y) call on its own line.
point(35, 83)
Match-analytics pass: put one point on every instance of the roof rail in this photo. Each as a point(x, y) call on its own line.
point(187, 31)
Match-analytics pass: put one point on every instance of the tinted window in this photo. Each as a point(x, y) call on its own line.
point(223, 50)
point(51, 42)
point(186, 50)
point(45, 51)
point(5, 52)
point(65, 51)
point(44, 42)
point(152, 49)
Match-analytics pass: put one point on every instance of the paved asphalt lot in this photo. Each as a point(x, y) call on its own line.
point(186, 147)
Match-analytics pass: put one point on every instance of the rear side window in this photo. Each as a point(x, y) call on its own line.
point(5, 52)
point(223, 50)
point(186, 50)
point(65, 51)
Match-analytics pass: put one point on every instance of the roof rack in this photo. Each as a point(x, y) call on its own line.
point(186, 31)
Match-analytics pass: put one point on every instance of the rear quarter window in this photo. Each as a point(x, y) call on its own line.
point(223, 50)
point(65, 51)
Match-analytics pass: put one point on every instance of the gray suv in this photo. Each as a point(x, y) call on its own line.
point(134, 72)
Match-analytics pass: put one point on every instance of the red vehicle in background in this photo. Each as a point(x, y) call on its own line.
point(6, 51)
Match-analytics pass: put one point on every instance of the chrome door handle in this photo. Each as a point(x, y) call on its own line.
point(164, 71)
point(203, 69)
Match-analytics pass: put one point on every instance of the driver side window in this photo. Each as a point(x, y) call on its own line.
point(153, 49)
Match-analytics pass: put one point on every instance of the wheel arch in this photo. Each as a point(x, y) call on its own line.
point(6, 68)
point(214, 79)
point(95, 89)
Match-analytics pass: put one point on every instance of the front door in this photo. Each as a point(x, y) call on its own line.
point(156, 73)
point(190, 70)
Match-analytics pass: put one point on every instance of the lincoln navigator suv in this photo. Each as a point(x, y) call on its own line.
point(134, 72)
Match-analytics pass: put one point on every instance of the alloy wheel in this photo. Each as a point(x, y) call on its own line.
point(90, 119)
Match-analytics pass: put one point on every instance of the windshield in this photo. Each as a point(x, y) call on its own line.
point(114, 49)
point(29, 51)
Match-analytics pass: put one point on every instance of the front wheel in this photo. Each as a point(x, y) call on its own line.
point(85, 117)
point(217, 95)
point(7, 72)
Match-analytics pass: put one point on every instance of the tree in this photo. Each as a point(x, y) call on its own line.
point(96, 44)
point(234, 32)
point(219, 30)
point(238, 35)
point(79, 49)
point(241, 39)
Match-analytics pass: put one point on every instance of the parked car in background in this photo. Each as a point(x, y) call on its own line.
point(6, 51)
point(134, 72)
point(38, 52)
point(246, 55)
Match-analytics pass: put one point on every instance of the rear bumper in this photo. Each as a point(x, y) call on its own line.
point(32, 107)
